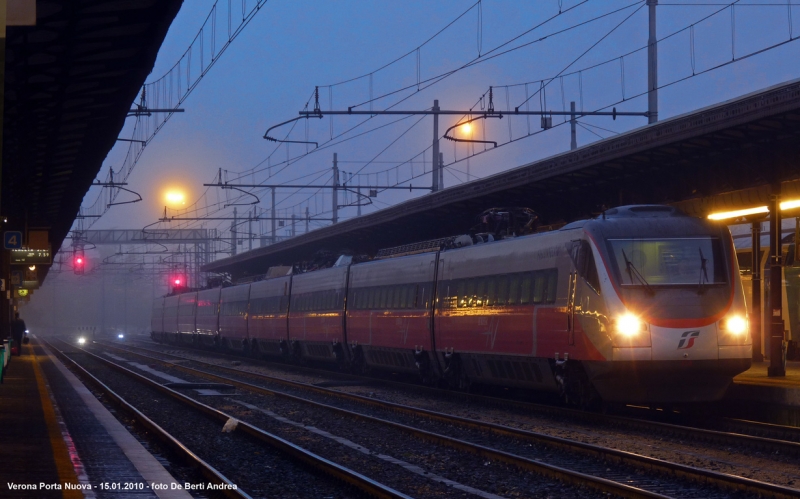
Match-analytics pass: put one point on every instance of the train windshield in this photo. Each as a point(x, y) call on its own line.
point(657, 262)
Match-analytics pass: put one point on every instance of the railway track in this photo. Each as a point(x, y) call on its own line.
point(718, 430)
point(309, 465)
point(650, 475)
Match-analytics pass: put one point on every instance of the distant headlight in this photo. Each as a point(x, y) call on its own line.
point(120, 336)
point(81, 340)
point(629, 325)
point(26, 331)
point(735, 325)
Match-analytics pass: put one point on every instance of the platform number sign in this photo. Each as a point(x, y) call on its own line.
point(12, 239)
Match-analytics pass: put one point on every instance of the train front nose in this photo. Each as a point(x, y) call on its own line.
point(687, 343)
point(680, 364)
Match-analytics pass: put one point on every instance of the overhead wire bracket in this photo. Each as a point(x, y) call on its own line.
point(118, 185)
point(316, 113)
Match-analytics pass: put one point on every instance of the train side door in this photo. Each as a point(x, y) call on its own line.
point(580, 254)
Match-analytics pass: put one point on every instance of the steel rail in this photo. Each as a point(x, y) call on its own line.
point(699, 475)
point(314, 461)
point(208, 471)
point(785, 446)
point(570, 476)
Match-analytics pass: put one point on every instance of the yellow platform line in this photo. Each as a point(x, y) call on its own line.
point(64, 467)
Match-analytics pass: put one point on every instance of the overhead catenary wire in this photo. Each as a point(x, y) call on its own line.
point(622, 64)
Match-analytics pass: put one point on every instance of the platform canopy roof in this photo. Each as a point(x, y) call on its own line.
point(69, 82)
point(724, 156)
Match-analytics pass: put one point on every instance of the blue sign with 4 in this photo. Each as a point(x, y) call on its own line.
point(12, 239)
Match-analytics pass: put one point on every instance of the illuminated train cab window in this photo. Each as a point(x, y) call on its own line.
point(668, 261)
point(521, 288)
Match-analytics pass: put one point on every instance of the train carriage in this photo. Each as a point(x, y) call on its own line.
point(502, 310)
point(187, 305)
point(170, 328)
point(389, 313)
point(643, 305)
point(316, 315)
point(207, 316)
point(267, 319)
point(233, 306)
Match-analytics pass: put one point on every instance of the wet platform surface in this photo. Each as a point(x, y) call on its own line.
point(57, 440)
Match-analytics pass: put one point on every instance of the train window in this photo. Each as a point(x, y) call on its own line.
point(592, 279)
point(491, 291)
point(382, 301)
point(420, 301)
point(393, 297)
point(502, 290)
point(480, 292)
point(552, 282)
point(470, 293)
point(460, 287)
point(539, 285)
point(403, 301)
point(525, 294)
point(513, 289)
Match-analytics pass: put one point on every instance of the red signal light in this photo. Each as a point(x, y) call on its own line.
point(78, 264)
point(177, 282)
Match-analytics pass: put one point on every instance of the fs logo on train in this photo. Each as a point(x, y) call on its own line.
point(687, 339)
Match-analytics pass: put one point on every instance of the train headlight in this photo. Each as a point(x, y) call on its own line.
point(81, 340)
point(736, 325)
point(628, 325)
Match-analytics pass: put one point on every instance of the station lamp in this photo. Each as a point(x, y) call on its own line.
point(725, 215)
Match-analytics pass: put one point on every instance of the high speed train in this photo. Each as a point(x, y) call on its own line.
point(642, 305)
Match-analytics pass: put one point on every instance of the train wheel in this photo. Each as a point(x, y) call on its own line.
point(576, 389)
point(297, 353)
point(454, 374)
point(255, 352)
point(359, 365)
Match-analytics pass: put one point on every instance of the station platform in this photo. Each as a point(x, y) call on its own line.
point(57, 440)
point(755, 395)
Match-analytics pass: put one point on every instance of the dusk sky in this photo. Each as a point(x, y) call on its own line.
point(269, 72)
